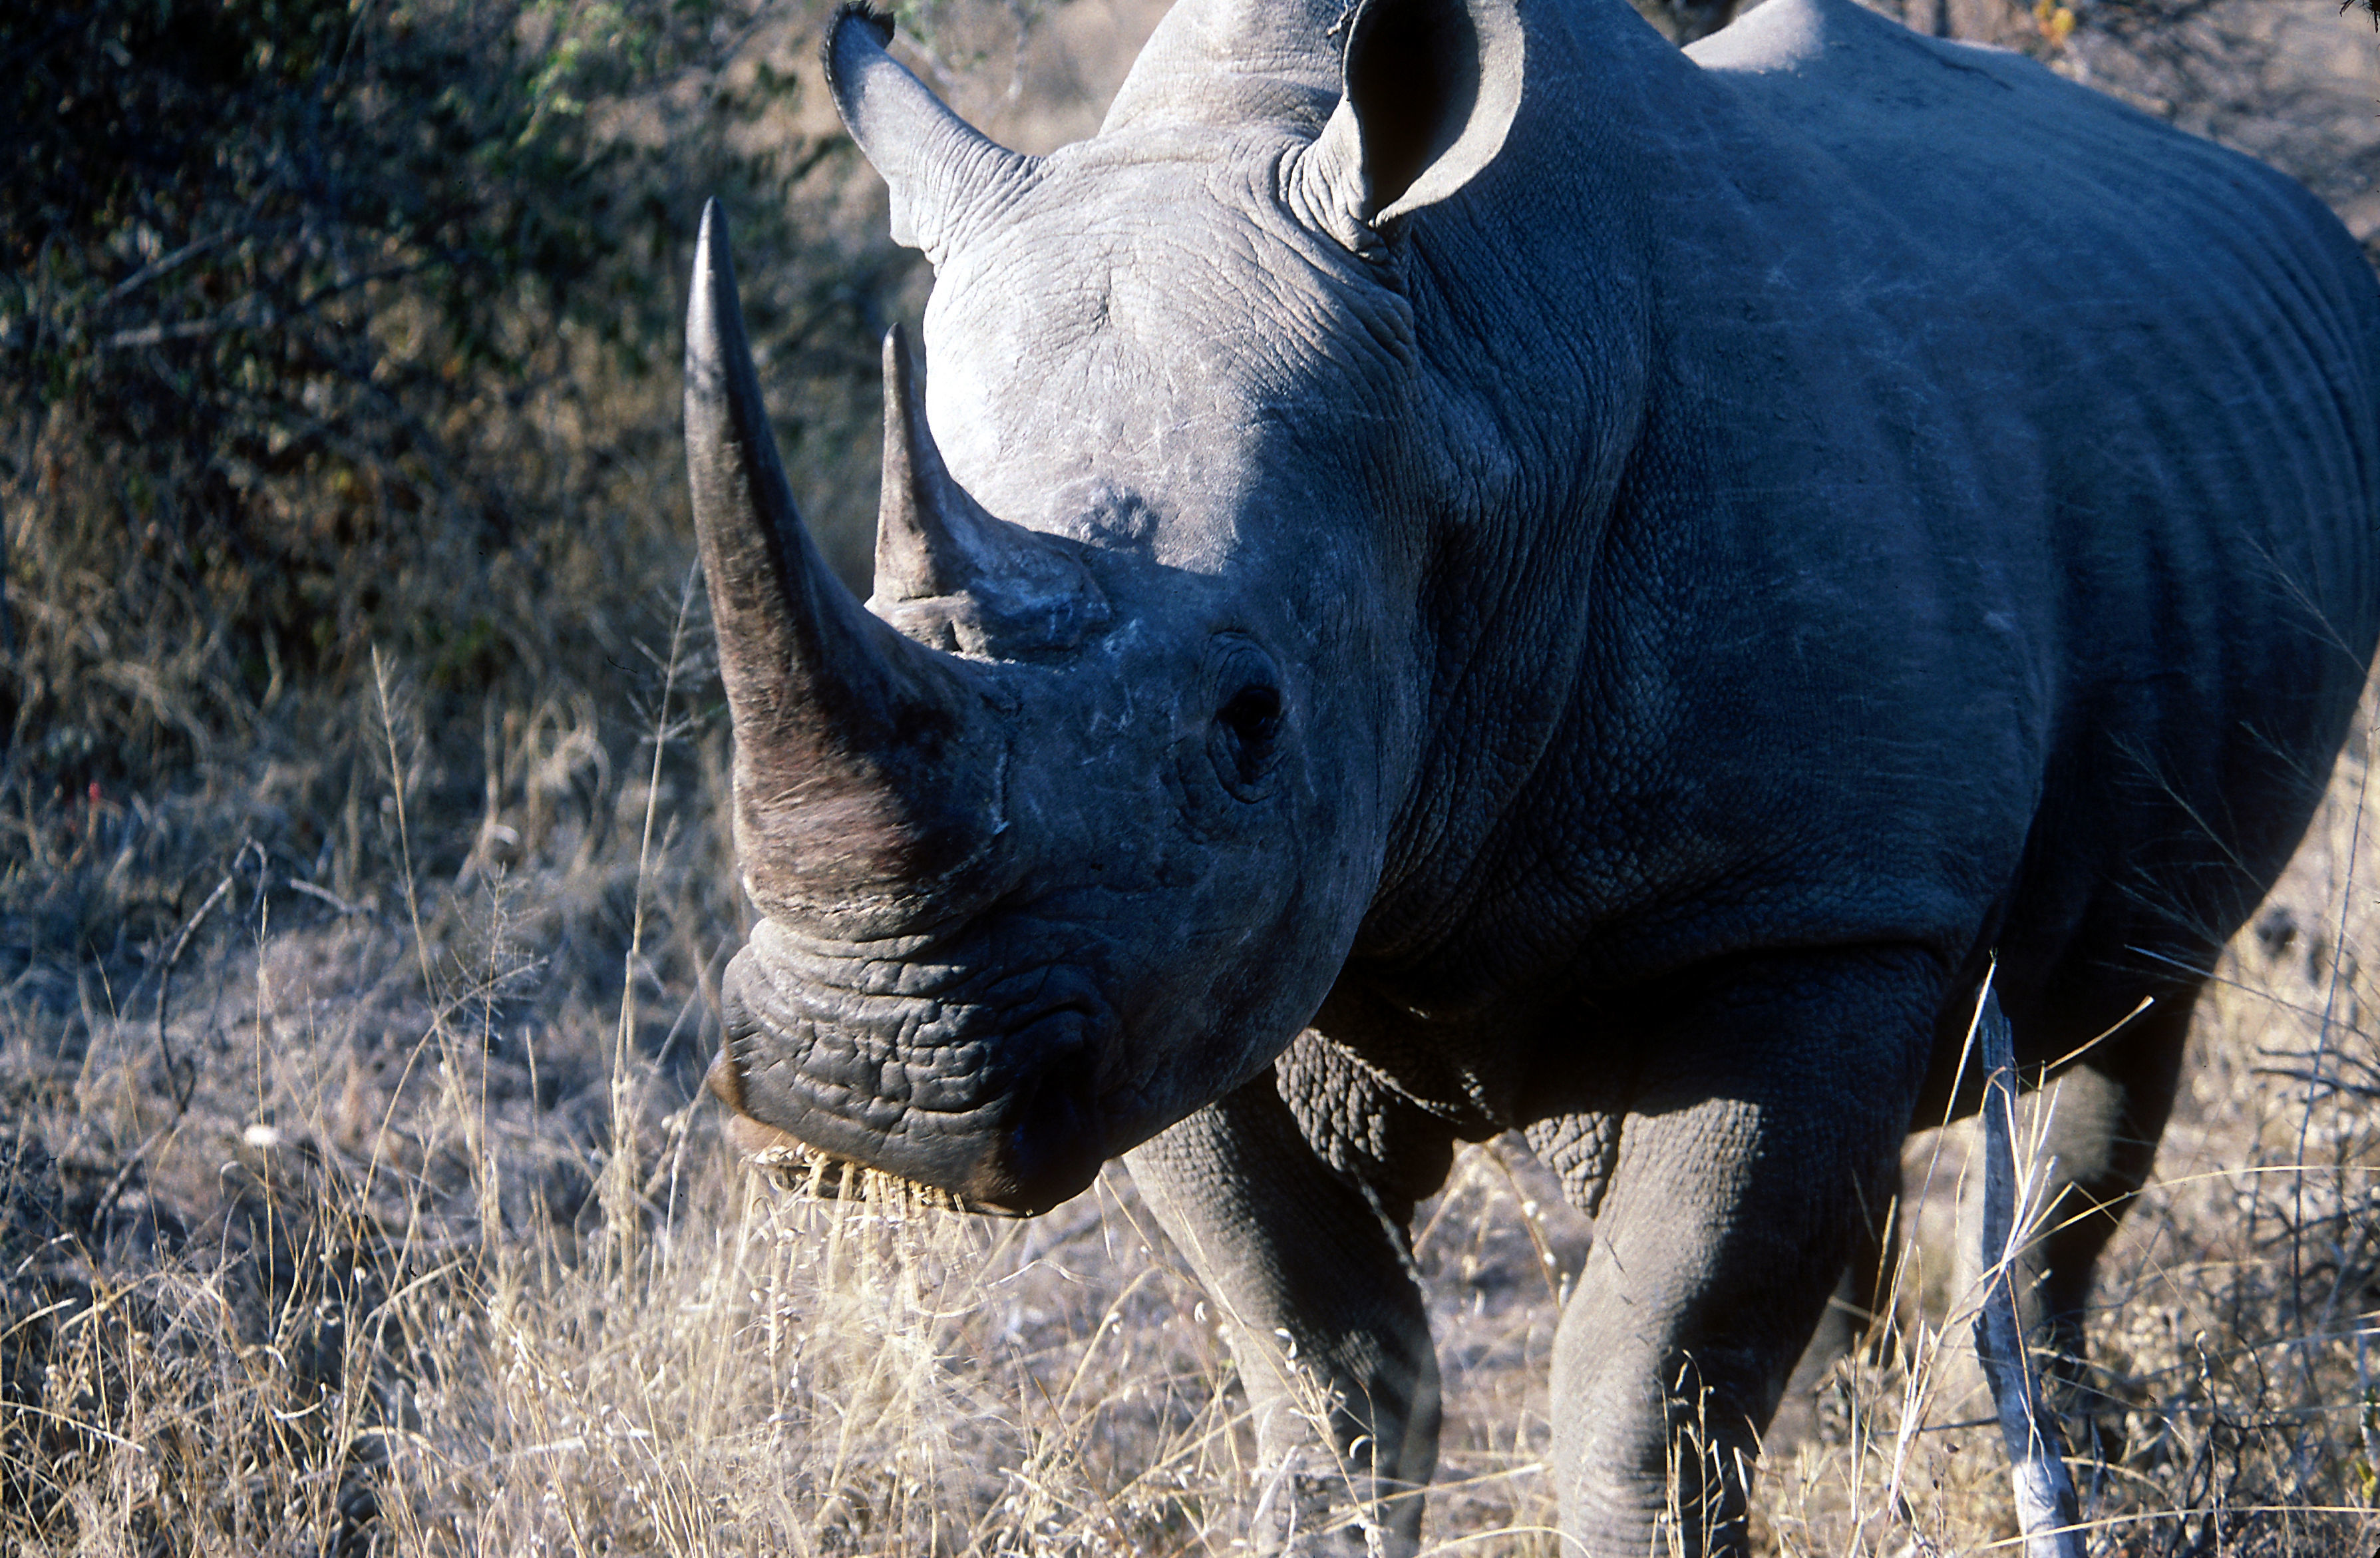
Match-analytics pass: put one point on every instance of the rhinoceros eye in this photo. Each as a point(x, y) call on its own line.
point(1254, 715)
point(1248, 726)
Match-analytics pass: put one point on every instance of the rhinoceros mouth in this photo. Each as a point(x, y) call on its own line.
point(798, 1166)
point(975, 1108)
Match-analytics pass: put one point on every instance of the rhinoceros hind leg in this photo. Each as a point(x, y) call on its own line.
point(1289, 1247)
point(1764, 1134)
point(2106, 1118)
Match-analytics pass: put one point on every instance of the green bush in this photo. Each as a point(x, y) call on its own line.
point(327, 326)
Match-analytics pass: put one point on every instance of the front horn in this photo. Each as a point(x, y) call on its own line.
point(866, 772)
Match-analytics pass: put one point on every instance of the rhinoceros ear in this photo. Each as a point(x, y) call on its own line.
point(1431, 87)
point(943, 173)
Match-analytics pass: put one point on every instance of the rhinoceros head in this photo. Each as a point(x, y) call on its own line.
point(1068, 830)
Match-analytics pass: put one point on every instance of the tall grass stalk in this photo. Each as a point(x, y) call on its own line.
point(620, 1188)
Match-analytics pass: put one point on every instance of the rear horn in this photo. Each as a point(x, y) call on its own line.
point(948, 573)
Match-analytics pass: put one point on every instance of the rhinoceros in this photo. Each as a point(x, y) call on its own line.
point(1460, 570)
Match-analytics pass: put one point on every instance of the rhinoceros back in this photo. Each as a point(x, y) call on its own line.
point(2161, 359)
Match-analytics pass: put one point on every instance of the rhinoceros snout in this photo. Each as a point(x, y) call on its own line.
point(997, 1115)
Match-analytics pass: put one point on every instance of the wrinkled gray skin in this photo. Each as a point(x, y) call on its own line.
point(1539, 582)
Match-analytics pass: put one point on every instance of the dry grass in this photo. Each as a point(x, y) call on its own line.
point(431, 1263)
point(2231, 1406)
point(355, 1195)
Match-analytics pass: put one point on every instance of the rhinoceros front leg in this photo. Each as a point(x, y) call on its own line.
point(1326, 1323)
point(1764, 1134)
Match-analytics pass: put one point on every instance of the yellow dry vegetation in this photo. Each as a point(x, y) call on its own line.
point(359, 932)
